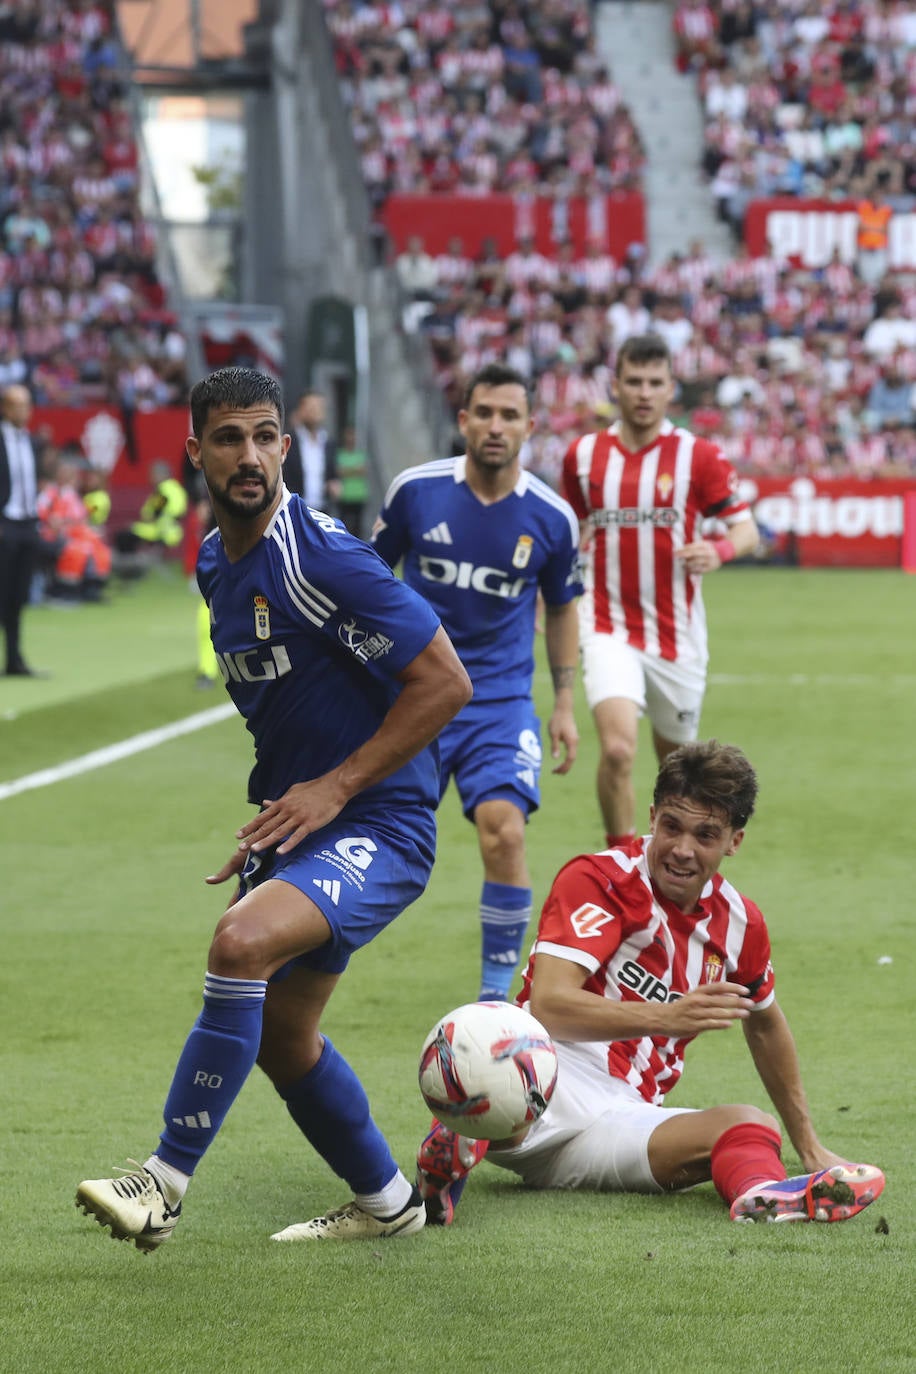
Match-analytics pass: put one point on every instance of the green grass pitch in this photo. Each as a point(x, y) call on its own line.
point(106, 921)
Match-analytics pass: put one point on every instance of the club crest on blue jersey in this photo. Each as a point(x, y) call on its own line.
point(522, 551)
point(261, 617)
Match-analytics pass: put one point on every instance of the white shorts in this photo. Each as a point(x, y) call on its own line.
point(671, 694)
point(595, 1135)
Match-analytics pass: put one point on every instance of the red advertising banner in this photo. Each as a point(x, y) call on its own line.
point(616, 221)
point(806, 232)
point(122, 446)
point(835, 523)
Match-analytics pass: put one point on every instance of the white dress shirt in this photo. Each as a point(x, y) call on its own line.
point(23, 492)
point(312, 449)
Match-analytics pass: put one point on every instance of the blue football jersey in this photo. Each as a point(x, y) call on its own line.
point(310, 628)
point(480, 566)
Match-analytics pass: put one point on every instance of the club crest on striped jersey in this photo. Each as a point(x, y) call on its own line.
point(713, 968)
point(664, 485)
point(522, 551)
point(261, 617)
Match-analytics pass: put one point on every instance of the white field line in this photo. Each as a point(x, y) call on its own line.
point(813, 679)
point(136, 744)
point(113, 753)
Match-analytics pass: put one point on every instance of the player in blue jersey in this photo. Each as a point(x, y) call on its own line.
point(478, 537)
point(344, 677)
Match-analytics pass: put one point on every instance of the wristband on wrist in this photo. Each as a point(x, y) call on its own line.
point(724, 548)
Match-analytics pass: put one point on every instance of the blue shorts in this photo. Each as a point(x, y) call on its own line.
point(361, 871)
point(493, 751)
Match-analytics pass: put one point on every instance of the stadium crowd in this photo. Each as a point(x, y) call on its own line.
point(796, 371)
point(473, 97)
point(82, 313)
point(803, 98)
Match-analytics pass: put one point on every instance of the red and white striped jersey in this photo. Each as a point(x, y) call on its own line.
point(635, 946)
point(641, 508)
point(598, 272)
point(694, 21)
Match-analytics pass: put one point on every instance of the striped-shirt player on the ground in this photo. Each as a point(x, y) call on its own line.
point(642, 491)
point(344, 677)
point(479, 538)
point(639, 950)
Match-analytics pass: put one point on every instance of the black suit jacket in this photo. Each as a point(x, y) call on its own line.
point(6, 485)
point(293, 474)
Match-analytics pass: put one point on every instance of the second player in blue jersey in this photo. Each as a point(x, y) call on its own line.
point(479, 538)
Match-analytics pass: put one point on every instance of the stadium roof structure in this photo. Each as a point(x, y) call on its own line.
point(186, 41)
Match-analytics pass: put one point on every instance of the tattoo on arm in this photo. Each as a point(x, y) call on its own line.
point(563, 677)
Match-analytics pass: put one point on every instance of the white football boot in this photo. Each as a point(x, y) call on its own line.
point(352, 1223)
point(132, 1207)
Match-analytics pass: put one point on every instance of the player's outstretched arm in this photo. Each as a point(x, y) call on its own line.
point(772, 1048)
point(561, 637)
point(561, 1002)
point(434, 687)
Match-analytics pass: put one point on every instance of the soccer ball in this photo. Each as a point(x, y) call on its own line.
point(487, 1070)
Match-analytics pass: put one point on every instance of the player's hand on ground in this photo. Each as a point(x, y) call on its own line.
point(714, 1006)
point(699, 557)
point(820, 1158)
point(303, 809)
point(564, 740)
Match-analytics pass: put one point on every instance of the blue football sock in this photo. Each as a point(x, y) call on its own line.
point(331, 1109)
point(504, 915)
point(217, 1057)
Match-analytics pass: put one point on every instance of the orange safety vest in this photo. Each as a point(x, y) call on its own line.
point(873, 222)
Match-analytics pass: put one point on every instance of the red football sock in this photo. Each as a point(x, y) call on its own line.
point(618, 841)
point(744, 1155)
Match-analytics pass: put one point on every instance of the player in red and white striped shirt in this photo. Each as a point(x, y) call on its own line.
point(639, 950)
point(642, 490)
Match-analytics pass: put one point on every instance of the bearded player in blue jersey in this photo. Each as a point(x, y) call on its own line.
point(479, 537)
point(344, 677)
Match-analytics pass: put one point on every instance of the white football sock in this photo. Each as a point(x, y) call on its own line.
point(390, 1200)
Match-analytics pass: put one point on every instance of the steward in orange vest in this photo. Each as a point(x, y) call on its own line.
point(873, 222)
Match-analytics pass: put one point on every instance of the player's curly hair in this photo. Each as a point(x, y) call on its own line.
point(715, 775)
point(233, 386)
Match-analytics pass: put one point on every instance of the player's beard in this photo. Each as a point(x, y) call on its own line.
point(243, 509)
point(494, 459)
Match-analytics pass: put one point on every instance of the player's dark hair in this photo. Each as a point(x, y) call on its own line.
point(714, 775)
point(642, 348)
point(239, 387)
point(497, 374)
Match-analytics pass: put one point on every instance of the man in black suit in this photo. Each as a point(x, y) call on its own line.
point(310, 469)
point(19, 540)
